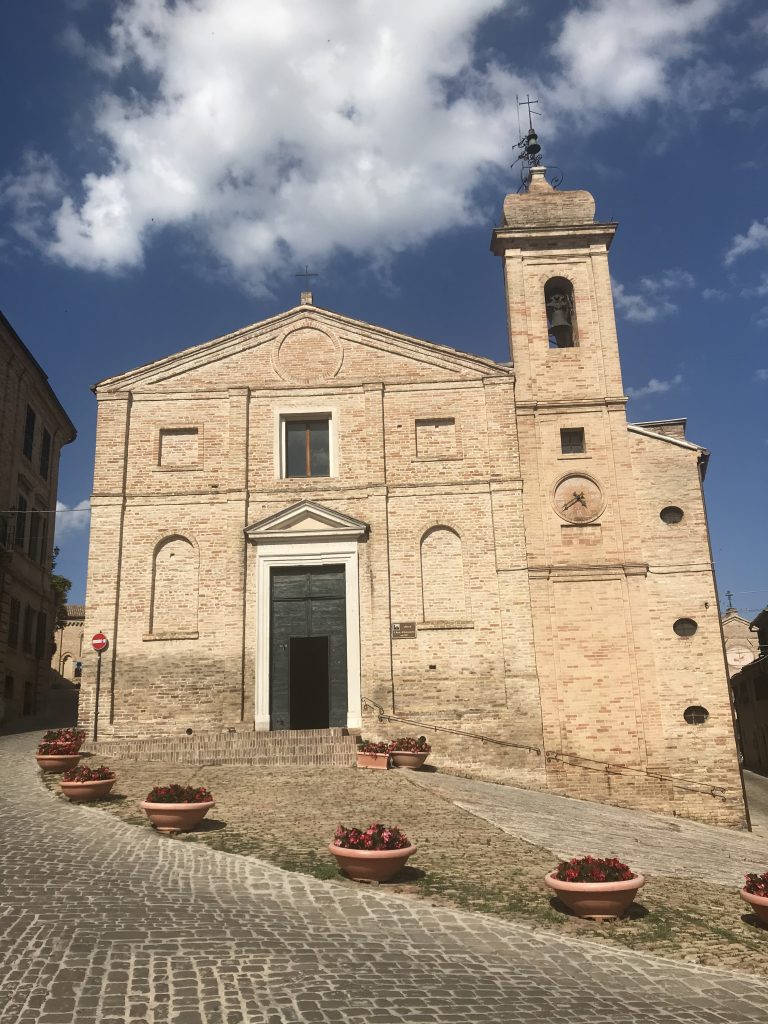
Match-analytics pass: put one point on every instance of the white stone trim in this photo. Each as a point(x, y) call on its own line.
point(298, 409)
point(330, 551)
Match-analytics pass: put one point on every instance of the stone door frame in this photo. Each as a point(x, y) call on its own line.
point(303, 553)
point(307, 534)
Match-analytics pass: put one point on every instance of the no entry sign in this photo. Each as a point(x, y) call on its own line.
point(99, 642)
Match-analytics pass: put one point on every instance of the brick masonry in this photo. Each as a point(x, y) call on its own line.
point(552, 636)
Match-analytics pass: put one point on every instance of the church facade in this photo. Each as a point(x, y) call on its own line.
point(317, 523)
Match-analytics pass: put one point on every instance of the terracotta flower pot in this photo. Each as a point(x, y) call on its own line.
point(759, 905)
point(372, 760)
point(174, 818)
point(412, 759)
point(94, 789)
point(57, 762)
point(371, 865)
point(596, 899)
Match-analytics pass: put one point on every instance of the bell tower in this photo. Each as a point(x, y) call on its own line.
point(568, 390)
point(609, 580)
point(586, 566)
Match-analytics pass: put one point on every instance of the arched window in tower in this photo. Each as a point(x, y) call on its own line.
point(174, 587)
point(442, 575)
point(561, 313)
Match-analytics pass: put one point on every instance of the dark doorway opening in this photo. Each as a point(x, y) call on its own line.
point(308, 673)
point(308, 648)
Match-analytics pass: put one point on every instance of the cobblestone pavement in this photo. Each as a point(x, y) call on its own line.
point(651, 843)
point(101, 921)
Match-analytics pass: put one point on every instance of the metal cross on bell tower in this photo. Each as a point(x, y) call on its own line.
point(306, 296)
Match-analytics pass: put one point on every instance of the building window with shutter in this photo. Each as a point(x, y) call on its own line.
point(28, 630)
point(35, 523)
point(21, 521)
point(13, 623)
point(29, 433)
point(40, 634)
point(45, 455)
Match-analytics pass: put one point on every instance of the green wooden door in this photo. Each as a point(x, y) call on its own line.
point(307, 602)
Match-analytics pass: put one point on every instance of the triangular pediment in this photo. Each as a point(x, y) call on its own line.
point(306, 520)
point(339, 348)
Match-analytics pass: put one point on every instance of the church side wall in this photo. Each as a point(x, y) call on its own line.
point(690, 669)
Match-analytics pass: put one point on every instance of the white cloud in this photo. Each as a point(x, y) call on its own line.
point(617, 54)
point(31, 195)
point(655, 387)
point(761, 374)
point(279, 133)
point(72, 520)
point(755, 238)
point(668, 281)
point(651, 299)
point(714, 293)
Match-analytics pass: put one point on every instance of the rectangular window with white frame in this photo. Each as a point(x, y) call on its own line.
point(307, 445)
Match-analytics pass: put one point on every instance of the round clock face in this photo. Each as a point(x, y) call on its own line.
point(739, 655)
point(578, 498)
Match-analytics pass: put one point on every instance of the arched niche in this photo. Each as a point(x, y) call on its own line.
point(442, 575)
point(175, 585)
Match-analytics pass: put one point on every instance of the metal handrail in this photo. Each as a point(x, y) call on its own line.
point(718, 792)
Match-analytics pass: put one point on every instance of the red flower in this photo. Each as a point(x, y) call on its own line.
point(593, 869)
point(375, 837)
point(177, 794)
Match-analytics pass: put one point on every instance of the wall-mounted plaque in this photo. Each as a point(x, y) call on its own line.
point(403, 630)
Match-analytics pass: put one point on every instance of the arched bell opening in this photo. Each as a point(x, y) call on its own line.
point(561, 313)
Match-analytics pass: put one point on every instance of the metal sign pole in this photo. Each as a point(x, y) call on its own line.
point(96, 708)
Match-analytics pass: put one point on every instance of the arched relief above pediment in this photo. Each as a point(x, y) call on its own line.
point(307, 354)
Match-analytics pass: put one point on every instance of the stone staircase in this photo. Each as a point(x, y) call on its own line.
point(288, 747)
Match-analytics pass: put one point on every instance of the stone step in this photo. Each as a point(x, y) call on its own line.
point(287, 747)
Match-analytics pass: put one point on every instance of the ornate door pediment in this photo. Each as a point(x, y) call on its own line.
point(306, 520)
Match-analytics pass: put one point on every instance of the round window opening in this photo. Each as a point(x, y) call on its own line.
point(188, 732)
point(671, 514)
point(685, 627)
point(696, 715)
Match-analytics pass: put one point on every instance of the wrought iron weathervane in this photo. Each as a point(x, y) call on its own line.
point(529, 148)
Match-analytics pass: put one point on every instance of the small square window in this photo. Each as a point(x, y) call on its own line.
point(572, 441)
point(306, 447)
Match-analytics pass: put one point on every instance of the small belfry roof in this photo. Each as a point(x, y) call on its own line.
point(218, 348)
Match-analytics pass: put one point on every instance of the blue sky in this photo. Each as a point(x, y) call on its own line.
point(168, 168)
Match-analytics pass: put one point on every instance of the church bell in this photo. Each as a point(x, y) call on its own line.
point(560, 321)
point(532, 147)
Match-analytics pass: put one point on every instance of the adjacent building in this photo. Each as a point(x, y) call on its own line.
point(67, 658)
point(33, 429)
point(318, 523)
point(741, 642)
point(750, 694)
